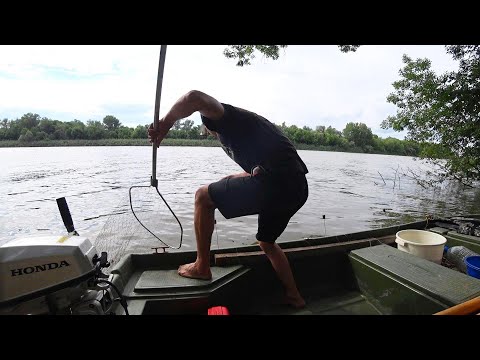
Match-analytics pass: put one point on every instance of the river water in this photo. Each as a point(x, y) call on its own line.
point(348, 193)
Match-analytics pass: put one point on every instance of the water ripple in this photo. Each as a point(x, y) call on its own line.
point(18, 193)
point(346, 188)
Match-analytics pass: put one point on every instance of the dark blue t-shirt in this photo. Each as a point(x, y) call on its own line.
point(251, 140)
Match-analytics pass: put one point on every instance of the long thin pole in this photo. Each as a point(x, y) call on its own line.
point(156, 118)
point(470, 307)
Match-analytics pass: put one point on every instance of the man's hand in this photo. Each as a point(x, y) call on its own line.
point(153, 136)
point(156, 136)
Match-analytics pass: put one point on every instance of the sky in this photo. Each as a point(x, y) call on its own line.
point(308, 85)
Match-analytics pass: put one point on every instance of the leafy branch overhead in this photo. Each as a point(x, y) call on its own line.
point(245, 53)
point(442, 111)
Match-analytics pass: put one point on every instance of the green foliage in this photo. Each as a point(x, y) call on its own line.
point(140, 132)
point(188, 125)
point(443, 110)
point(111, 123)
point(355, 137)
point(393, 146)
point(244, 53)
point(348, 48)
point(29, 120)
point(40, 135)
point(76, 130)
point(59, 134)
point(378, 144)
point(95, 130)
point(26, 137)
point(47, 125)
point(124, 132)
point(359, 134)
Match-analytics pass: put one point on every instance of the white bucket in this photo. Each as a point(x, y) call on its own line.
point(421, 243)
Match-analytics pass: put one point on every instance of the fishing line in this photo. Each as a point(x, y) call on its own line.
point(168, 206)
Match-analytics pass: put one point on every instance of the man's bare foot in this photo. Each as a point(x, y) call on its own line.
point(295, 301)
point(191, 271)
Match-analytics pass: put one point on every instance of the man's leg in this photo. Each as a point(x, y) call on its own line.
point(233, 197)
point(204, 219)
point(284, 272)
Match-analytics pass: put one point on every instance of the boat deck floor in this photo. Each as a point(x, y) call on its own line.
point(347, 303)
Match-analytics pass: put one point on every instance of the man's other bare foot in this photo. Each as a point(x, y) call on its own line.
point(295, 301)
point(191, 271)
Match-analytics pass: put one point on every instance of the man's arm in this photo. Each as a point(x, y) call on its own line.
point(255, 171)
point(236, 175)
point(192, 101)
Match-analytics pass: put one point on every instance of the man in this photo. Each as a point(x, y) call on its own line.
point(273, 184)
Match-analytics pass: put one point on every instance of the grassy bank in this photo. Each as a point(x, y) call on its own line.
point(135, 142)
point(165, 142)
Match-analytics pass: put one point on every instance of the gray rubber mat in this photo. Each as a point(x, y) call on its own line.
point(169, 279)
point(432, 278)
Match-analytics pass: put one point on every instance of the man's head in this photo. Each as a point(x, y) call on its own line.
point(204, 131)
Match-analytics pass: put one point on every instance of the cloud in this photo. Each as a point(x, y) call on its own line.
point(307, 86)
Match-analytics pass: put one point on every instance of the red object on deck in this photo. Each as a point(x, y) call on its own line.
point(218, 310)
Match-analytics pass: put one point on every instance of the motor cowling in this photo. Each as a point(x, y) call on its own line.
point(30, 265)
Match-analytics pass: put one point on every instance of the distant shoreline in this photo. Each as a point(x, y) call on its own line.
point(108, 142)
point(165, 142)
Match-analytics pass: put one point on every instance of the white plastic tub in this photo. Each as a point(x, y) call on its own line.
point(421, 243)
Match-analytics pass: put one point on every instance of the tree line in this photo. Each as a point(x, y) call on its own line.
point(355, 137)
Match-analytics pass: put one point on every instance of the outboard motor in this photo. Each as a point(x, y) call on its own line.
point(55, 275)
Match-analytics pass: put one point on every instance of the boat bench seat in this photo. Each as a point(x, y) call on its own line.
point(163, 291)
point(168, 281)
point(400, 283)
